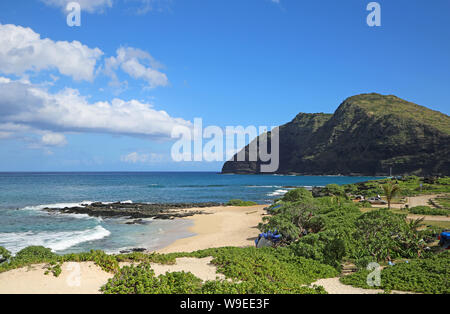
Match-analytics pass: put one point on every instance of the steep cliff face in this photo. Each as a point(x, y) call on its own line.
point(367, 135)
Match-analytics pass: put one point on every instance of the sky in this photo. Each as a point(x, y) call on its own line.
point(105, 96)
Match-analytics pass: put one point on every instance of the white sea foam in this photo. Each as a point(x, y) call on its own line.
point(277, 193)
point(263, 186)
point(56, 241)
point(58, 205)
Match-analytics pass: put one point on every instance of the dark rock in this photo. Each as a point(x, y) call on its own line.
point(136, 222)
point(137, 210)
point(137, 250)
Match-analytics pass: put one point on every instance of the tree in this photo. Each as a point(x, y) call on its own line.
point(390, 190)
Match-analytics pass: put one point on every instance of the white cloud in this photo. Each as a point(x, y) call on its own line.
point(146, 6)
point(23, 50)
point(53, 139)
point(24, 105)
point(138, 64)
point(100, 6)
point(135, 158)
point(91, 6)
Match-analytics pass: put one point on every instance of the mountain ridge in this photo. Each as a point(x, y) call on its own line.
point(369, 134)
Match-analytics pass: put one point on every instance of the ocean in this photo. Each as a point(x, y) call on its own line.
point(24, 195)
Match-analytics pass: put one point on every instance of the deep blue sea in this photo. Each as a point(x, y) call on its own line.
point(24, 195)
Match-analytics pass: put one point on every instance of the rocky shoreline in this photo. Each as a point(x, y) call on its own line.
point(137, 210)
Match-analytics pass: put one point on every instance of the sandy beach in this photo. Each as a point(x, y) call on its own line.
point(217, 227)
point(220, 227)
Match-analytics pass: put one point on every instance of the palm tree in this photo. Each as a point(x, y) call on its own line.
point(390, 190)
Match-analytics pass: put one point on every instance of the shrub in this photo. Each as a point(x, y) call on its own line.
point(251, 264)
point(4, 254)
point(325, 247)
point(34, 254)
point(335, 190)
point(426, 210)
point(420, 275)
point(385, 235)
point(241, 203)
point(298, 195)
point(293, 219)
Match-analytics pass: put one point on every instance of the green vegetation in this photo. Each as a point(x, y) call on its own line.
point(249, 270)
point(298, 195)
point(443, 202)
point(141, 280)
point(390, 190)
point(426, 210)
point(241, 203)
point(419, 275)
point(54, 268)
point(110, 263)
point(409, 186)
point(381, 106)
point(329, 231)
point(4, 254)
point(383, 235)
point(319, 235)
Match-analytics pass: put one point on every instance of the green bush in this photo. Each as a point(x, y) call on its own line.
point(426, 210)
point(4, 254)
point(325, 247)
point(141, 280)
point(241, 203)
point(385, 235)
point(34, 254)
point(298, 195)
point(293, 219)
point(335, 190)
point(420, 275)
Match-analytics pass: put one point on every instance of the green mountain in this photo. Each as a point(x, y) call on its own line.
point(369, 134)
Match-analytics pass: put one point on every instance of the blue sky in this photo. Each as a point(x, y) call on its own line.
point(90, 98)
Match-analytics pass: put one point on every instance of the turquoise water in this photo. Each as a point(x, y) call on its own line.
point(23, 195)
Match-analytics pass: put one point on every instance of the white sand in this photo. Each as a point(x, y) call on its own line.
point(222, 226)
point(334, 286)
point(75, 278)
point(201, 268)
point(88, 278)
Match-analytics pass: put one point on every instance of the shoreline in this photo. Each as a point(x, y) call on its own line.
point(217, 227)
point(220, 227)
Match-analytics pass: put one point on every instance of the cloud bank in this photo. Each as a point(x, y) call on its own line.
point(22, 50)
point(24, 107)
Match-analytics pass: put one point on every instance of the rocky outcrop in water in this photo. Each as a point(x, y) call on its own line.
point(137, 210)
